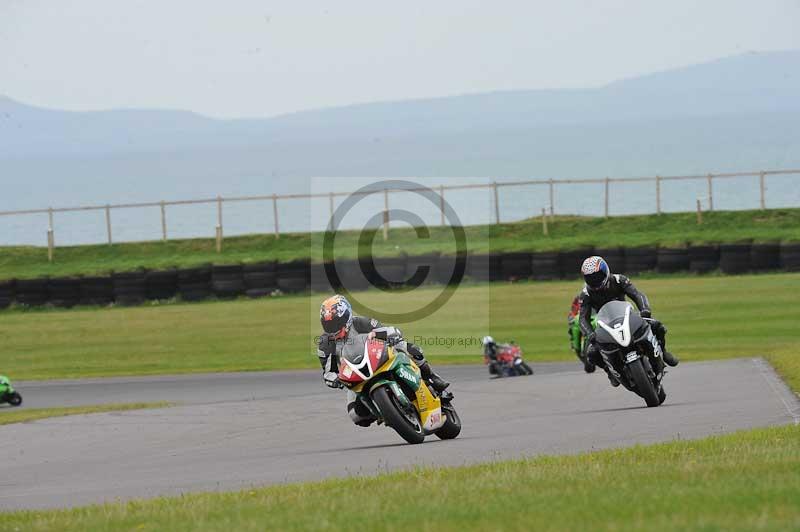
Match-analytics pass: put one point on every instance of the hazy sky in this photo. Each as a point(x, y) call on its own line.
point(259, 58)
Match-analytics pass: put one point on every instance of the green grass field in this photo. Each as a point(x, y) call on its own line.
point(11, 415)
point(708, 317)
point(565, 233)
point(744, 481)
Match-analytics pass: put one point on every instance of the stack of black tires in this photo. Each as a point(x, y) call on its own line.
point(265, 278)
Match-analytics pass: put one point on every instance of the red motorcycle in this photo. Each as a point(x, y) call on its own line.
point(508, 363)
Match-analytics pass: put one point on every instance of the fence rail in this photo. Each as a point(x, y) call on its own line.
point(552, 185)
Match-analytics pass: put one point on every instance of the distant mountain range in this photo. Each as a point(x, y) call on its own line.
point(741, 112)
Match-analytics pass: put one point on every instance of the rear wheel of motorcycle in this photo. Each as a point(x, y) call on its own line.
point(395, 417)
point(452, 424)
point(14, 399)
point(644, 385)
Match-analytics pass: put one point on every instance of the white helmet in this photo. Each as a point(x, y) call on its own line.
point(488, 340)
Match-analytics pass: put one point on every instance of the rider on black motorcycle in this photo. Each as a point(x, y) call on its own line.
point(340, 325)
point(602, 287)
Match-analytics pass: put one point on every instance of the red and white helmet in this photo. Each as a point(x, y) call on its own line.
point(596, 272)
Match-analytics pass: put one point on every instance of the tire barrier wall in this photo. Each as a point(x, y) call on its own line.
point(265, 278)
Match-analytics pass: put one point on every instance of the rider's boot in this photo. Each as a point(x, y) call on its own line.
point(436, 381)
point(359, 415)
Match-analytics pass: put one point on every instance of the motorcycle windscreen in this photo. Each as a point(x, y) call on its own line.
point(361, 357)
point(613, 315)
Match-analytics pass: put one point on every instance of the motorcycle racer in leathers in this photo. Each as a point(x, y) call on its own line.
point(339, 326)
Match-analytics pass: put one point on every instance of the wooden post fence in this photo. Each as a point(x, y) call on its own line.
point(496, 203)
point(710, 193)
point(108, 224)
point(386, 214)
point(332, 220)
point(219, 224)
point(275, 215)
point(51, 239)
point(443, 189)
point(544, 221)
point(658, 195)
point(441, 203)
point(163, 221)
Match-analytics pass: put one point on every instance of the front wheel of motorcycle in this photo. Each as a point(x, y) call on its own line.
point(644, 386)
point(527, 368)
point(452, 424)
point(14, 399)
point(394, 415)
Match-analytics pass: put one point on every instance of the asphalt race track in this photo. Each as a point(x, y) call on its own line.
point(238, 430)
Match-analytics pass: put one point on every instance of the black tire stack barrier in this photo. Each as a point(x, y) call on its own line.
point(32, 292)
point(734, 258)
point(615, 257)
point(319, 281)
point(96, 290)
point(670, 260)
point(227, 281)
point(545, 265)
point(194, 284)
point(162, 284)
point(482, 267)
point(260, 279)
point(790, 256)
point(516, 266)
point(390, 272)
point(130, 288)
point(64, 292)
point(703, 259)
point(643, 259)
point(426, 264)
point(570, 262)
point(293, 276)
point(350, 275)
point(764, 257)
point(447, 266)
point(7, 293)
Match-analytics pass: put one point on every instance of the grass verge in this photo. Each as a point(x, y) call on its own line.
point(743, 481)
point(708, 318)
point(12, 415)
point(566, 232)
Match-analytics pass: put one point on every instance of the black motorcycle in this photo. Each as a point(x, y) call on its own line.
point(631, 351)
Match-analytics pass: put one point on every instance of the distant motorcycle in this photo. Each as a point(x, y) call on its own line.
point(631, 351)
point(7, 392)
point(508, 363)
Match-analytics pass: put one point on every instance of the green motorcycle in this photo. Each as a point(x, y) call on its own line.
point(576, 341)
point(388, 382)
point(7, 392)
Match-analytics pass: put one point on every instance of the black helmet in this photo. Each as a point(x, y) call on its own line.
point(596, 273)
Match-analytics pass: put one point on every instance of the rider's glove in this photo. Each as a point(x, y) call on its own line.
point(645, 313)
point(331, 379)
